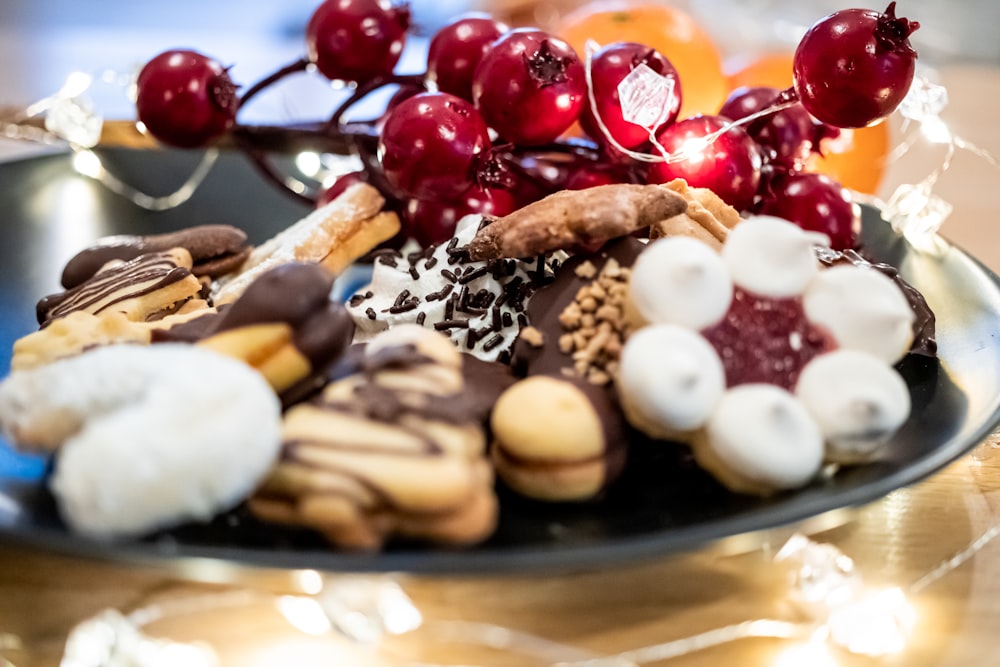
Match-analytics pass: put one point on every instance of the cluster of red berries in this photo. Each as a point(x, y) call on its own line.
point(482, 130)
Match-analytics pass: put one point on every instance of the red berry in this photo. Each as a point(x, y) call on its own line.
point(457, 48)
point(431, 222)
point(488, 201)
point(337, 188)
point(356, 40)
point(788, 137)
point(609, 66)
point(432, 145)
point(185, 99)
point(729, 166)
point(530, 87)
point(817, 203)
point(855, 66)
point(592, 174)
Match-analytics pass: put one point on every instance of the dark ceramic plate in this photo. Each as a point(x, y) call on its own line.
point(663, 504)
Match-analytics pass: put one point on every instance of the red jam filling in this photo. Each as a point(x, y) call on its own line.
point(762, 339)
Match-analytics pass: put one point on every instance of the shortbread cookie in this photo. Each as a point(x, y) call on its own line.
point(80, 331)
point(145, 288)
point(575, 218)
point(147, 437)
point(214, 249)
point(333, 235)
point(707, 218)
point(557, 439)
point(389, 450)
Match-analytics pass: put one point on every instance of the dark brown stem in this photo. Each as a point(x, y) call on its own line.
point(367, 88)
point(298, 66)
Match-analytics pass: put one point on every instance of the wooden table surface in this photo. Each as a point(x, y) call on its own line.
point(893, 542)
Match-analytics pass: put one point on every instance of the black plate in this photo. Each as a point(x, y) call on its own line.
point(663, 504)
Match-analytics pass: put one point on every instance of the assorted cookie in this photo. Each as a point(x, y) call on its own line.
point(387, 450)
point(536, 347)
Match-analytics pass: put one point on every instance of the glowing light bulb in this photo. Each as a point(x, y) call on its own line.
point(309, 581)
point(88, 164)
point(876, 625)
point(308, 163)
point(305, 614)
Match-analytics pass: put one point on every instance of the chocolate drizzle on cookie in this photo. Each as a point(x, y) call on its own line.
point(115, 283)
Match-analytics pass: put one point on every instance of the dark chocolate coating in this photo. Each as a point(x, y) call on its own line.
point(215, 249)
point(548, 303)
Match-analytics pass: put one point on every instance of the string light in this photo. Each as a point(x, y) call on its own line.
point(913, 210)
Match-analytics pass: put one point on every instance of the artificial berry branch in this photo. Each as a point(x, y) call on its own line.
point(483, 128)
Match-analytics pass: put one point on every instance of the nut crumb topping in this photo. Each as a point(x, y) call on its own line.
point(595, 322)
point(533, 337)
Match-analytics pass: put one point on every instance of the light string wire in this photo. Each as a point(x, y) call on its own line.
point(71, 121)
point(690, 150)
point(914, 210)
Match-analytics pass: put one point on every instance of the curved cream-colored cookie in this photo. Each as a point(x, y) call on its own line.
point(147, 437)
point(556, 439)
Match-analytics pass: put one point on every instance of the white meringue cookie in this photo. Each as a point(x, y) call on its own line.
point(669, 380)
point(858, 402)
point(863, 309)
point(680, 280)
point(772, 257)
point(760, 439)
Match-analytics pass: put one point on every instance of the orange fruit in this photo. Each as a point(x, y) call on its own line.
point(668, 30)
point(856, 159)
point(772, 69)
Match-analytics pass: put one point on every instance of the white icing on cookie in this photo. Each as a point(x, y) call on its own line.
point(680, 280)
point(154, 436)
point(760, 439)
point(856, 399)
point(772, 257)
point(669, 380)
point(863, 309)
